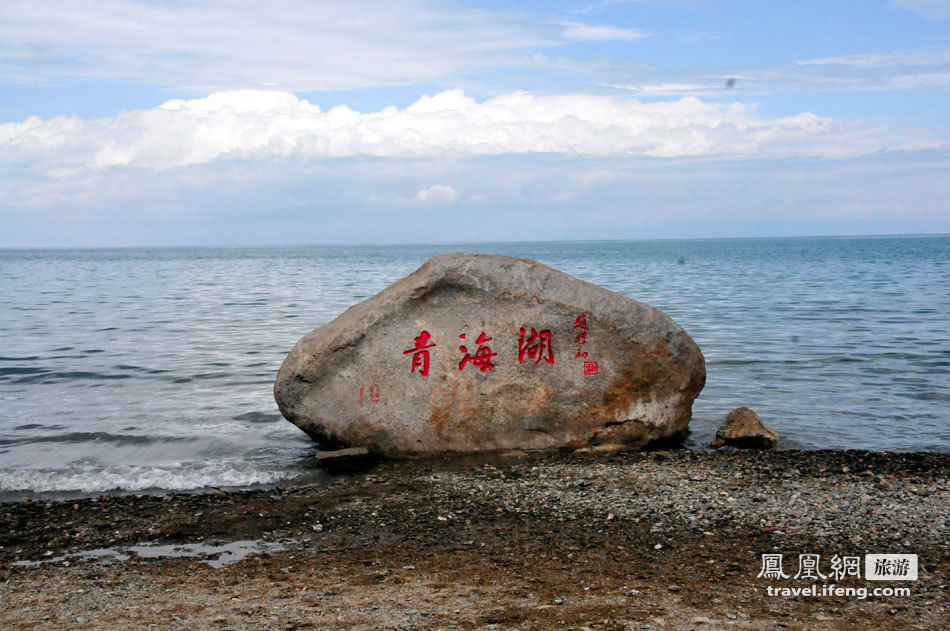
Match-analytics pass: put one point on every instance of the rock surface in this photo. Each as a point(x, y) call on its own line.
point(479, 352)
point(743, 428)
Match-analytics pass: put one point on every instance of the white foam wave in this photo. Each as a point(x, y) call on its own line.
point(170, 477)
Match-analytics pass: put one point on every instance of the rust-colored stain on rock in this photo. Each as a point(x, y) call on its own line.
point(439, 417)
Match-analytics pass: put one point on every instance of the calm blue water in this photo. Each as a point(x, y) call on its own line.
point(146, 369)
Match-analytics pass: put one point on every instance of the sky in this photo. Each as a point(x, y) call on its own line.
point(199, 122)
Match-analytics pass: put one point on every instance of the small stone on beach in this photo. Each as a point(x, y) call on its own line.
point(744, 429)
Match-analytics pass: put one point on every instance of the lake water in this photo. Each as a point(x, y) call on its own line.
point(152, 368)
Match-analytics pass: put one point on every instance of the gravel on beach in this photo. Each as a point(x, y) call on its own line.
point(644, 540)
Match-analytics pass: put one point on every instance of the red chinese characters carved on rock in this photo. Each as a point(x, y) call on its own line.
point(537, 347)
point(580, 327)
point(483, 354)
point(373, 393)
point(581, 324)
point(420, 354)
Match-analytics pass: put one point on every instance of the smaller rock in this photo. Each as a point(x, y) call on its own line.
point(346, 460)
point(608, 449)
point(743, 428)
point(514, 453)
point(352, 452)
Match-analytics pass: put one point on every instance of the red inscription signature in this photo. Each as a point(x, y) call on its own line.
point(373, 393)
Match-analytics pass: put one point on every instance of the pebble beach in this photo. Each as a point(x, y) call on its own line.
point(641, 540)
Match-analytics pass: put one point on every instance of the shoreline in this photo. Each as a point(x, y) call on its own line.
point(326, 473)
point(657, 539)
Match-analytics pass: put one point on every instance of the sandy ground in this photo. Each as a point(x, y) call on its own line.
point(657, 540)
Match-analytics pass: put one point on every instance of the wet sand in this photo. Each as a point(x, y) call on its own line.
point(655, 540)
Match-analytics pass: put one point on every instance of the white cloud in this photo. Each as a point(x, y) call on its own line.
point(246, 124)
point(436, 195)
point(529, 197)
point(920, 80)
point(301, 46)
point(921, 57)
point(670, 88)
point(600, 33)
point(920, 67)
point(902, 69)
point(929, 8)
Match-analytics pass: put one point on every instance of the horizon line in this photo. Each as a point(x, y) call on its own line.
point(436, 243)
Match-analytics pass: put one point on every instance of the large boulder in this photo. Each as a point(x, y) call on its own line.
point(475, 352)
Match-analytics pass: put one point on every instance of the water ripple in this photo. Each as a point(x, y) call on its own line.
point(837, 343)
